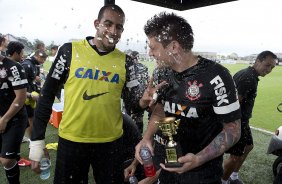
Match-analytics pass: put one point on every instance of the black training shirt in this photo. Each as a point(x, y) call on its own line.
point(12, 77)
point(203, 97)
point(246, 81)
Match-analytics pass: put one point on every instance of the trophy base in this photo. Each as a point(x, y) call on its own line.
point(173, 165)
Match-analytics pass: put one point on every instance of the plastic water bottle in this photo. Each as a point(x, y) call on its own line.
point(148, 164)
point(62, 97)
point(133, 180)
point(45, 165)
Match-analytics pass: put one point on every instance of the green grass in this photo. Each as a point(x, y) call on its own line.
point(257, 169)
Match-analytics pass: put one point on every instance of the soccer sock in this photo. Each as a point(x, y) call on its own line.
point(224, 181)
point(234, 176)
point(13, 174)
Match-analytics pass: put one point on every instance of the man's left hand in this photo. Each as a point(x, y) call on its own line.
point(189, 161)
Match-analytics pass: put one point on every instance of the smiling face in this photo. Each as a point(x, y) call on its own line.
point(265, 67)
point(109, 29)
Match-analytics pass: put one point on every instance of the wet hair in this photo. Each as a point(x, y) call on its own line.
point(166, 27)
point(112, 7)
point(41, 54)
point(13, 47)
point(263, 55)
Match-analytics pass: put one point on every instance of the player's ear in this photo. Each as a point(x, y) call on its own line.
point(96, 23)
point(174, 47)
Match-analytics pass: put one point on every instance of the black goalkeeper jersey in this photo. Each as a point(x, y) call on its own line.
point(203, 97)
point(12, 77)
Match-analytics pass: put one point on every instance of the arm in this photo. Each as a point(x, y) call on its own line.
point(222, 142)
point(130, 170)
point(57, 76)
point(14, 108)
point(157, 114)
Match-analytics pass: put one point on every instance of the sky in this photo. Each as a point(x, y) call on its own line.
point(243, 27)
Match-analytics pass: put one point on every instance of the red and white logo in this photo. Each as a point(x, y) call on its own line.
point(193, 91)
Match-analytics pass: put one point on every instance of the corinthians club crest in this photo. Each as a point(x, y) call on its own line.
point(3, 73)
point(193, 91)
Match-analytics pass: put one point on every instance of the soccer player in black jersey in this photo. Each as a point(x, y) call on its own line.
point(31, 66)
point(246, 81)
point(199, 92)
point(94, 74)
point(143, 77)
point(13, 117)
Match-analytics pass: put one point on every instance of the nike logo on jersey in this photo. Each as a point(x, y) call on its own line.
point(89, 97)
point(7, 153)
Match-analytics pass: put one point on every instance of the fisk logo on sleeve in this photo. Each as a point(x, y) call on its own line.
point(59, 68)
point(219, 90)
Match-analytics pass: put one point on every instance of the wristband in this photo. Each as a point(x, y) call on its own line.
point(36, 151)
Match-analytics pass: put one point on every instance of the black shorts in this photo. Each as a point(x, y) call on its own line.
point(245, 139)
point(30, 111)
point(11, 139)
point(74, 159)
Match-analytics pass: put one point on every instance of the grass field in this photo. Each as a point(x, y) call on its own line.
point(258, 167)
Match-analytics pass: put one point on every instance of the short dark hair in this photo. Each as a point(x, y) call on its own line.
point(263, 55)
point(166, 27)
point(41, 54)
point(54, 47)
point(112, 7)
point(13, 47)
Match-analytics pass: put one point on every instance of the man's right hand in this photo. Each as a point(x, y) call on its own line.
point(143, 143)
point(150, 95)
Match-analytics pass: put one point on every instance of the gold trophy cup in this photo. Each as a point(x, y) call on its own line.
point(169, 126)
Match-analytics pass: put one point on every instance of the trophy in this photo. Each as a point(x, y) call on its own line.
point(168, 126)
